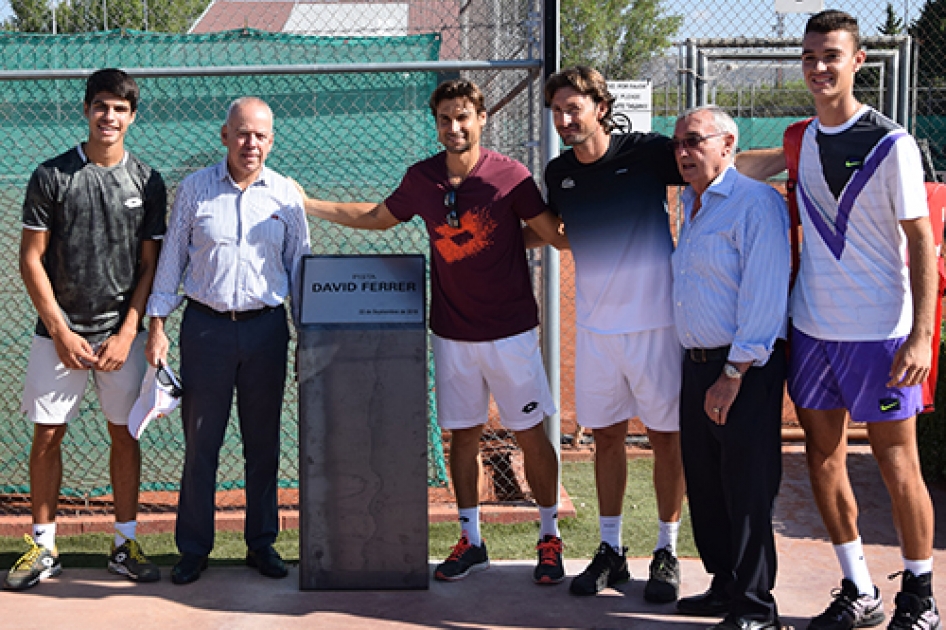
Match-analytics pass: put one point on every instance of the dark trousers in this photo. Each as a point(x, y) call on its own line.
point(733, 474)
point(219, 356)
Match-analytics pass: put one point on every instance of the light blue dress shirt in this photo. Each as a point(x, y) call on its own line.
point(731, 269)
point(233, 249)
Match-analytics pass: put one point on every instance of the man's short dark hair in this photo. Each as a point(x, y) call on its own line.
point(115, 82)
point(834, 20)
point(458, 88)
point(586, 81)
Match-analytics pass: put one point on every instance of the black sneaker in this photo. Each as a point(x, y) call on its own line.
point(850, 609)
point(916, 608)
point(607, 568)
point(663, 586)
point(550, 569)
point(127, 559)
point(463, 560)
point(38, 563)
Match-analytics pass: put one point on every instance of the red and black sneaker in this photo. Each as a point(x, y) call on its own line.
point(463, 560)
point(550, 569)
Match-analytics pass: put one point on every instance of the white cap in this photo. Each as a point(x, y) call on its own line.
point(159, 396)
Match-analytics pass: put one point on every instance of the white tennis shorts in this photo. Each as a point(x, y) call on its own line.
point(465, 373)
point(630, 375)
point(52, 392)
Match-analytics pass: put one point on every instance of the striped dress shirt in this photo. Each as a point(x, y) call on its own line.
point(233, 249)
point(731, 269)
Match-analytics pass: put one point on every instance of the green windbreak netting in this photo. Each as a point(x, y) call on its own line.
point(346, 136)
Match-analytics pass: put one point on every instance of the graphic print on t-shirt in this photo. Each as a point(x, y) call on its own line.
point(474, 235)
point(820, 217)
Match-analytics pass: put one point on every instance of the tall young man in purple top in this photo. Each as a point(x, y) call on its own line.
point(483, 313)
point(862, 322)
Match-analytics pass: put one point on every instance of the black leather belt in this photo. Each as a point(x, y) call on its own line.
point(236, 316)
point(705, 355)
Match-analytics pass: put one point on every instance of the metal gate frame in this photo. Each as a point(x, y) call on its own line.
point(893, 53)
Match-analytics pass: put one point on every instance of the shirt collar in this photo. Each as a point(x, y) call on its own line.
point(85, 158)
point(722, 185)
point(264, 178)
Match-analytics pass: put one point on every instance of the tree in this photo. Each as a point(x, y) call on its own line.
point(929, 31)
point(615, 36)
point(893, 25)
point(31, 16)
point(82, 16)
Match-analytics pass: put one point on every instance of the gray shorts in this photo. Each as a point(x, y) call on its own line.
point(52, 392)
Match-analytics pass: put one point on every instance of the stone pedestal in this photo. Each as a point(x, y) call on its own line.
point(363, 460)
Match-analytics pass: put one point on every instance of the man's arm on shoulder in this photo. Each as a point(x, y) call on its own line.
point(761, 164)
point(361, 215)
point(911, 364)
point(113, 352)
point(73, 350)
point(545, 229)
point(364, 216)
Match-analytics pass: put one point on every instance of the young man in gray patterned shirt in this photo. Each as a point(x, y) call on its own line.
point(93, 220)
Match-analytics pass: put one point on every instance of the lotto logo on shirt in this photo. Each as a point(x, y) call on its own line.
point(474, 235)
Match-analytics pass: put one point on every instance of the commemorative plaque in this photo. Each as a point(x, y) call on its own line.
point(362, 367)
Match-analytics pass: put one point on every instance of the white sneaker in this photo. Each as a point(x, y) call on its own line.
point(850, 610)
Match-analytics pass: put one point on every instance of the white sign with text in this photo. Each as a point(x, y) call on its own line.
point(381, 289)
point(634, 100)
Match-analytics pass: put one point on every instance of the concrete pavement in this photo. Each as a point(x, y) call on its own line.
point(233, 597)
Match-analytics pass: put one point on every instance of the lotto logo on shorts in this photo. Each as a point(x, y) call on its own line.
point(530, 407)
point(889, 404)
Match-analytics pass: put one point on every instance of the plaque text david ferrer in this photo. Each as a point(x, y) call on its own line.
point(373, 290)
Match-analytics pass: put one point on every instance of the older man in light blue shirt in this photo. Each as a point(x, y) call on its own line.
point(236, 238)
point(730, 293)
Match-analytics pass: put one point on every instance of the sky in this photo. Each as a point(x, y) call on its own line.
point(756, 18)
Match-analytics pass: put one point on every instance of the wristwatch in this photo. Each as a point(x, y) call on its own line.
point(731, 371)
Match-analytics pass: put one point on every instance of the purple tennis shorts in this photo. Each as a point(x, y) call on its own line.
point(851, 375)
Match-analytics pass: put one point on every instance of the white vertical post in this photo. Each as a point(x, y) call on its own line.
point(551, 320)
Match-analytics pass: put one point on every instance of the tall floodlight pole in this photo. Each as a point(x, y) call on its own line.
point(551, 312)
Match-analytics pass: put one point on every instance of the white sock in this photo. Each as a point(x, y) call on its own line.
point(470, 525)
point(44, 535)
point(124, 531)
point(549, 522)
point(610, 527)
point(918, 567)
point(854, 566)
point(667, 536)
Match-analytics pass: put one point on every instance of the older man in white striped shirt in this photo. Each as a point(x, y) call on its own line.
point(730, 273)
point(236, 238)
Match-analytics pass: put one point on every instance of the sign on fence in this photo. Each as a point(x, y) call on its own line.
point(799, 6)
point(633, 99)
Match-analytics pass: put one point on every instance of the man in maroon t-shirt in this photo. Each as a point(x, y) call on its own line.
point(483, 314)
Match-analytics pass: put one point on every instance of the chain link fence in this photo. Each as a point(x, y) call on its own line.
point(346, 134)
point(748, 62)
point(351, 135)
